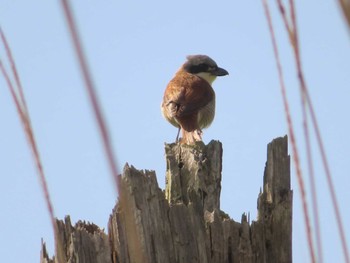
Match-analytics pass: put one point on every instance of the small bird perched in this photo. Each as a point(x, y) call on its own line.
point(189, 99)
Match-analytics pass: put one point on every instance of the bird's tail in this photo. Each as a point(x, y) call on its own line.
point(190, 137)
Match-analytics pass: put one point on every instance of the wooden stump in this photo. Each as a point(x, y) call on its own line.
point(85, 242)
point(184, 223)
point(194, 172)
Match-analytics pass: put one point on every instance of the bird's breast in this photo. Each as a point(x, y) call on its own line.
point(206, 114)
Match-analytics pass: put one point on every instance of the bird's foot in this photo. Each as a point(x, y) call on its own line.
point(177, 140)
point(198, 135)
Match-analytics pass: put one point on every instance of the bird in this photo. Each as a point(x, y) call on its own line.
point(189, 99)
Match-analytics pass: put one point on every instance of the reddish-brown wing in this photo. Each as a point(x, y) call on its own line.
point(189, 93)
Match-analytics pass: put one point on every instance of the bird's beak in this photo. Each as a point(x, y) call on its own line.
point(220, 72)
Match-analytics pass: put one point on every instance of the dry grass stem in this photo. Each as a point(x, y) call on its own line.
point(23, 113)
point(307, 102)
point(291, 130)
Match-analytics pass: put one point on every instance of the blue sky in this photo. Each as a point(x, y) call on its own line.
point(133, 50)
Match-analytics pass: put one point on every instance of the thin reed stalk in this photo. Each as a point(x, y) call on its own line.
point(291, 133)
point(23, 113)
point(90, 88)
point(345, 7)
point(307, 102)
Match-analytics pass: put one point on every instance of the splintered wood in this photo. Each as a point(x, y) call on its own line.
point(184, 223)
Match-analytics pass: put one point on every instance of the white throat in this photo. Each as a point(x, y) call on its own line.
point(206, 76)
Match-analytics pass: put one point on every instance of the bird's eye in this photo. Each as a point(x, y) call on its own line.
point(211, 69)
point(195, 68)
point(199, 68)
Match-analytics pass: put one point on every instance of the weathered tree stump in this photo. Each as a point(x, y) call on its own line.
point(184, 223)
point(85, 242)
point(194, 172)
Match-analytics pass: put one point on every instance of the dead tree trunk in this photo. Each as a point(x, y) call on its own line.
point(184, 223)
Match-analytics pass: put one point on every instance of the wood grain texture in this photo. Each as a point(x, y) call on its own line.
point(85, 242)
point(184, 223)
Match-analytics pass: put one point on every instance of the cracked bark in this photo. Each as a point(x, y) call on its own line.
point(184, 223)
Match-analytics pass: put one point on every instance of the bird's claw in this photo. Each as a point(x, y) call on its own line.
point(177, 140)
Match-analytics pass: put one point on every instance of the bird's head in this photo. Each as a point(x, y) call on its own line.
point(204, 67)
